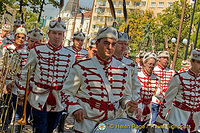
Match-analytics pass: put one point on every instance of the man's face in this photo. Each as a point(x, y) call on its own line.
point(195, 66)
point(20, 39)
point(137, 60)
point(56, 38)
point(78, 43)
point(4, 32)
point(149, 65)
point(92, 52)
point(105, 47)
point(163, 61)
point(120, 48)
point(32, 42)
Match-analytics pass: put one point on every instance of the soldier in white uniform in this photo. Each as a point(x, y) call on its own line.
point(165, 74)
point(182, 99)
point(96, 87)
point(150, 87)
point(120, 49)
point(5, 30)
point(185, 65)
point(20, 38)
point(92, 50)
point(77, 47)
point(10, 38)
point(50, 63)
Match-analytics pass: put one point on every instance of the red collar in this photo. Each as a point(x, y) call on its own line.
point(53, 48)
point(145, 73)
point(120, 59)
point(103, 62)
point(193, 74)
point(161, 67)
point(75, 49)
point(18, 46)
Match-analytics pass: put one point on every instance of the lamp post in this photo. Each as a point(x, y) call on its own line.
point(173, 40)
point(179, 35)
point(185, 41)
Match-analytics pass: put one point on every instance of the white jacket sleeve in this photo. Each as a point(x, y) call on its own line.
point(171, 93)
point(70, 89)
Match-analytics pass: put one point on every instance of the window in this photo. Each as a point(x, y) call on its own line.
point(100, 10)
point(110, 19)
point(98, 2)
point(143, 3)
point(104, 3)
point(128, 3)
point(101, 19)
point(137, 4)
point(120, 3)
point(169, 4)
point(94, 26)
point(161, 4)
point(119, 11)
point(94, 18)
point(153, 4)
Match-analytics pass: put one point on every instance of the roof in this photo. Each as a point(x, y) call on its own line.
point(87, 14)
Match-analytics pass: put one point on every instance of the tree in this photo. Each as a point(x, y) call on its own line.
point(137, 21)
point(169, 25)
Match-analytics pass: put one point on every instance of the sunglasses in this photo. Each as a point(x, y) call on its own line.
point(17, 37)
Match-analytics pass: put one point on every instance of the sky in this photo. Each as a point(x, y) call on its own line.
point(49, 10)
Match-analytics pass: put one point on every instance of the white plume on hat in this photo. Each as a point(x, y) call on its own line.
point(57, 25)
point(163, 54)
point(18, 22)
point(108, 32)
point(185, 63)
point(195, 55)
point(123, 36)
point(79, 35)
point(21, 30)
point(149, 55)
point(6, 27)
point(35, 34)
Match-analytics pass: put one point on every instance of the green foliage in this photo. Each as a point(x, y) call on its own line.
point(142, 26)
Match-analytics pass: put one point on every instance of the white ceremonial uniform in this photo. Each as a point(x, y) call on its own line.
point(79, 54)
point(9, 49)
point(150, 86)
point(1, 39)
point(183, 69)
point(165, 75)
point(139, 67)
point(182, 99)
point(23, 51)
point(85, 88)
point(135, 82)
point(51, 66)
point(8, 39)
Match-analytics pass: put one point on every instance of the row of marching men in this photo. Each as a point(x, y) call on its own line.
point(100, 88)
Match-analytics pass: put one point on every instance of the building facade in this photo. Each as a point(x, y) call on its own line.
point(101, 10)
